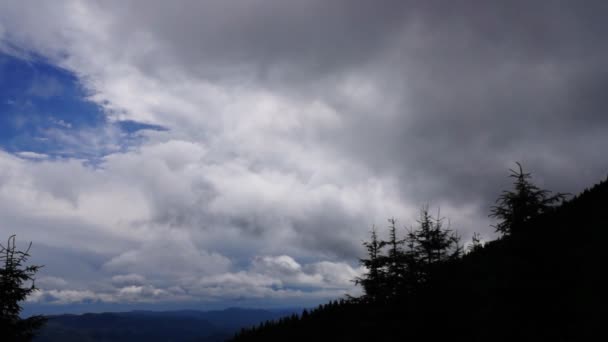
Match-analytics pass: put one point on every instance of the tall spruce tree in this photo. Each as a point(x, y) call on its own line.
point(373, 282)
point(432, 242)
point(429, 245)
point(526, 201)
point(408, 261)
point(394, 260)
point(16, 283)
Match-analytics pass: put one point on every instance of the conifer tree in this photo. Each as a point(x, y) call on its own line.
point(526, 201)
point(394, 260)
point(16, 283)
point(476, 243)
point(373, 280)
point(433, 243)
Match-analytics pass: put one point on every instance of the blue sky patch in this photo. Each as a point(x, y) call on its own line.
point(43, 109)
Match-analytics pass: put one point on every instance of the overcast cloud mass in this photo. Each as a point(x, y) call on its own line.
point(282, 131)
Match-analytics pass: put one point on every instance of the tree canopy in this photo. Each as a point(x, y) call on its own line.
point(533, 283)
point(397, 265)
point(16, 283)
point(514, 208)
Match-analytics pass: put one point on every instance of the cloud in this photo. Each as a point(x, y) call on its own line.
point(268, 277)
point(292, 128)
point(51, 282)
point(131, 279)
point(32, 155)
point(127, 294)
point(66, 296)
point(281, 277)
point(168, 257)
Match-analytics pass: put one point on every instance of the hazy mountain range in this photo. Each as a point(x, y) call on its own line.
point(183, 325)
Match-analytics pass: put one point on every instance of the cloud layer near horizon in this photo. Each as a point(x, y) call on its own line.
point(292, 127)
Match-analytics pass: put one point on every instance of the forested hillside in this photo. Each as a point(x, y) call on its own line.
point(541, 280)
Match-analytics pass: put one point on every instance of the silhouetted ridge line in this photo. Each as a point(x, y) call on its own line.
point(539, 282)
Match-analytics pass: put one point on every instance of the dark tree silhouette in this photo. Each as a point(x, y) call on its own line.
point(476, 244)
point(517, 207)
point(432, 243)
point(394, 261)
point(408, 261)
point(541, 281)
point(373, 280)
point(16, 283)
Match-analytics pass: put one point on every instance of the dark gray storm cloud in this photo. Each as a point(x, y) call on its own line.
point(470, 86)
point(484, 84)
point(265, 39)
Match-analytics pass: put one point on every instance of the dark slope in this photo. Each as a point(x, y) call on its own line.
point(543, 284)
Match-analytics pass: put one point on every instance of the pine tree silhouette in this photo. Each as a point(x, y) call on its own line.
point(533, 284)
point(517, 207)
point(394, 261)
point(476, 244)
point(374, 280)
point(432, 243)
point(15, 286)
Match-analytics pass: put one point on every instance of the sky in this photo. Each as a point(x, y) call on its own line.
point(205, 154)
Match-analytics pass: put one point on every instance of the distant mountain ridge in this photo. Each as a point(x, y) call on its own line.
point(140, 325)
